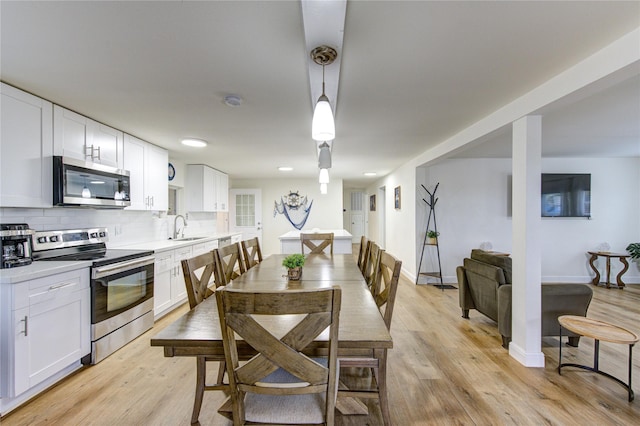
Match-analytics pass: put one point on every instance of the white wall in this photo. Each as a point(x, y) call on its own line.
point(326, 212)
point(399, 223)
point(473, 208)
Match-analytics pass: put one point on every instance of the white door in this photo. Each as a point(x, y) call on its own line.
point(357, 216)
point(245, 212)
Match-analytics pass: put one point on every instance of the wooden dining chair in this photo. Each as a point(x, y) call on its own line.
point(197, 273)
point(280, 385)
point(387, 285)
point(317, 242)
point(229, 264)
point(372, 264)
point(251, 252)
point(385, 289)
point(362, 253)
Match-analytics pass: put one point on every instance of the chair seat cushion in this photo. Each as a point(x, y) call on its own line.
point(289, 409)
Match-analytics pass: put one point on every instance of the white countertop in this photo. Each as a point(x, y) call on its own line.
point(164, 245)
point(337, 233)
point(40, 269)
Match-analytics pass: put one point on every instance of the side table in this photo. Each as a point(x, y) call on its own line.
point(608, 256)
point(598, 330)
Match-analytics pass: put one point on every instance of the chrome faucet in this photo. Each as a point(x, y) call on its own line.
point(175, 226)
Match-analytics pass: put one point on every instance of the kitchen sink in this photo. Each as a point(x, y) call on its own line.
point(188, 239)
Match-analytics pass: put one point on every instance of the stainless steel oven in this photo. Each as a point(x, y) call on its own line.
point(121, 304)
point(121, 285)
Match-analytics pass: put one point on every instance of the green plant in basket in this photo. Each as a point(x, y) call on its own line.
point(432, 234)
point(293, 261)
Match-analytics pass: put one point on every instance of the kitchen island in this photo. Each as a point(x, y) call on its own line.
point(290, 242)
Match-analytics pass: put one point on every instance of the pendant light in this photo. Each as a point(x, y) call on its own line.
point(324, 157)
point(324, 176)
point(323, 126)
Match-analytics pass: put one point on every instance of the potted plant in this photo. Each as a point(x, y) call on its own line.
point(432, 237)
point(294, 263)
point(634, 250)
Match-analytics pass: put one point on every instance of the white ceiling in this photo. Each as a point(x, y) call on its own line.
point(411, 75)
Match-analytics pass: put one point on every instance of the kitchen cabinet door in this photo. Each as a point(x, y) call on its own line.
point(105, 145)
point(178, 288)
point(147, 165)
point(69, 133)
point(163, 272)
point(84, 139)
point(26, 171)
point(222, 192)
point(51, 329)
point(200, 188)
point(156, 183)
point(134, 162)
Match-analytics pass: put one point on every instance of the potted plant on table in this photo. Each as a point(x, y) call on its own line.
point(293, 263)
point(634, 250)
point(432, 237)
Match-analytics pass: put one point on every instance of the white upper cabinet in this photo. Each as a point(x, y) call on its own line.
point(156, 183)
point(207, 189)
point(222, 191)
point(200, 187)
point(26, 147)
point(147, 165)
point(85, 139)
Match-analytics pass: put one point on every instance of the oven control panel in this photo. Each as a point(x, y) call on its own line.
point(47, 240)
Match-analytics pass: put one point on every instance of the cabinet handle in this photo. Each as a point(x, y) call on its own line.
point(90, 151)
point(61, 285)
point(151, 203)
point(98, 149)
point(26, 331)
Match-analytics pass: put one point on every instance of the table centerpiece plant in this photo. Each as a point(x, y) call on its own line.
point(294, 263)
point(634, 250)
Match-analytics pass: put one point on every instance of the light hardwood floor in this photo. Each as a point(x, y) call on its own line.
point(443, 370)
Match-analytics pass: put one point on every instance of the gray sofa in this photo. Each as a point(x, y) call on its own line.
point(484, 283)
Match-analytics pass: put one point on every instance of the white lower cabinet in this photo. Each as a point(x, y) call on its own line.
point(46, 327)
point(169, 289)
point(162, 282)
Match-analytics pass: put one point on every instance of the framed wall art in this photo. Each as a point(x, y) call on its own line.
point(372, 203)
point(396, 197)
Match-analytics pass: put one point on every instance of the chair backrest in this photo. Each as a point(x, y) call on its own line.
point(280, 368)
point(362, 253)
point(317, 242)
point(229, 265)
point(251, 252)
point(371, 268)
point(197, 273)
point(387, 285)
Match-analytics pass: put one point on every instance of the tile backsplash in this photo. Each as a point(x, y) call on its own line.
point(125, 227)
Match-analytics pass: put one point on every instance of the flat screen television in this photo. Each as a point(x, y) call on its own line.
point(566, 195)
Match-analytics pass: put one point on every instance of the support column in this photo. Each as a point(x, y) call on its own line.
point(526, 315)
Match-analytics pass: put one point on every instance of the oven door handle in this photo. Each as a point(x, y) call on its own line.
point(103, 271)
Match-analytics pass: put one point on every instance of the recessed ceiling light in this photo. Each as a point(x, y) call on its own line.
point(194, 142)
point(285, 168)
point(370, 174)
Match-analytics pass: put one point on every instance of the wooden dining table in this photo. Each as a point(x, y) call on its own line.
point(362, 330)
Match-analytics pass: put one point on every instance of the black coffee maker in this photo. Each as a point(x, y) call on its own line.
point(15, 244)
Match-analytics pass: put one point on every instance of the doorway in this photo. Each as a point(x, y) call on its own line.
point(245, 212)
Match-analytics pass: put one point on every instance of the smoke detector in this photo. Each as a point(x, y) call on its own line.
point(232, 101)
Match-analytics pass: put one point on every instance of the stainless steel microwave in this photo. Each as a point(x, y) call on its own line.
point(81, 183)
